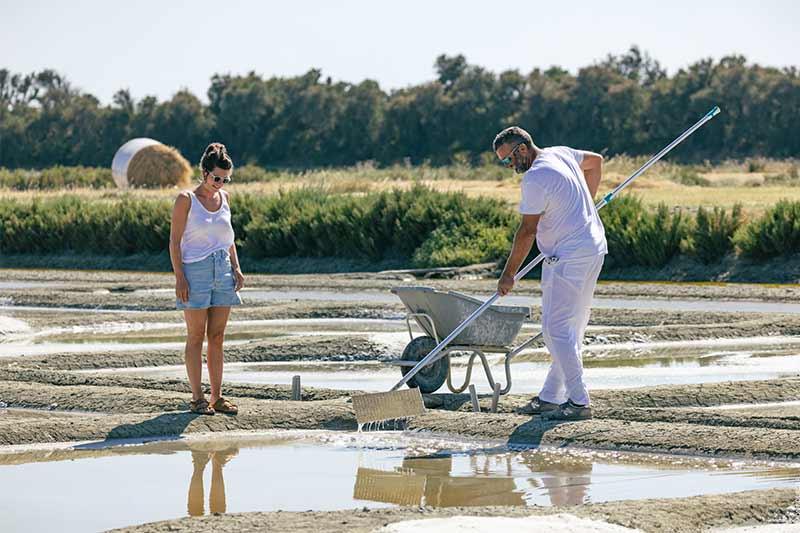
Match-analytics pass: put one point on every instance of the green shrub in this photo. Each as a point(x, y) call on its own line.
point(463, 245)
point(776, 232)
point(58, 177)
point(711, 237)
point(310, 222)
point(637, 236)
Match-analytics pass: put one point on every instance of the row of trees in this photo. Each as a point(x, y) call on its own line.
point(624, 104)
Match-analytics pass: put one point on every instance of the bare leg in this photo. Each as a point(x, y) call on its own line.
point(195, 503)
point(215, 330)
point(216, 498)
point(195, 332)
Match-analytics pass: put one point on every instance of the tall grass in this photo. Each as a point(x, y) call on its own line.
point(711, 238)
point(775, 233)
point(637, 236)
point(394, 223)
point(419, 227)
point(56, 178)
point(304, 223)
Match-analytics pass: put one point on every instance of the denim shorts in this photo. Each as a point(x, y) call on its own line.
point(211, 282)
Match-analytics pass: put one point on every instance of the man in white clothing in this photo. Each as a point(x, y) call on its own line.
point(557, 208)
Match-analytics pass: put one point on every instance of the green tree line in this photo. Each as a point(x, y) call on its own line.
point(623, 104)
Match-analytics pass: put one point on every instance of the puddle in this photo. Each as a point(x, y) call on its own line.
point(48, 348)
point(386, 297)
point(10, 325)
point(299, 471)
point(672, 304)
point(8, 306)
point(766, 406)
point(124, 336)
point(612, 367)
point(11, 285)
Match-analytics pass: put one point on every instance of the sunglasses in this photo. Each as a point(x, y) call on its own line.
point(217, 179)
point(507, 159)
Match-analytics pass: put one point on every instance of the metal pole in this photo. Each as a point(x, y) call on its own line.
point(601, 204)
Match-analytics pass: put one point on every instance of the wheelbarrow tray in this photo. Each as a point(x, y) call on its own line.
point(497, 326)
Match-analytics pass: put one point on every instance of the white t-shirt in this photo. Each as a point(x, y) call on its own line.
point(555, 188)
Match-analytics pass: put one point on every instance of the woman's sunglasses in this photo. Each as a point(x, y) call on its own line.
point(217, 179)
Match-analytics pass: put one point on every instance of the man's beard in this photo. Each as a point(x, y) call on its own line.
point(522, 165)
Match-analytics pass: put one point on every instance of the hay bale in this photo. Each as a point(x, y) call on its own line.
point(148, 163)
point(158, 166)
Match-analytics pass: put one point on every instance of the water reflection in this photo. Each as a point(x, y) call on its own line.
point(217, 503)
point(490, 480)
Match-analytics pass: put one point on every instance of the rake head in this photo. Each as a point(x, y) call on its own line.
point(382, 406)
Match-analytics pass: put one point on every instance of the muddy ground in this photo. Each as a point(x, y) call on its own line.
point(685, 419)
point(120, 283)
point(678, 515)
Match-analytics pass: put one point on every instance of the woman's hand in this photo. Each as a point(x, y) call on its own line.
point(237, 274)
point(181, 288)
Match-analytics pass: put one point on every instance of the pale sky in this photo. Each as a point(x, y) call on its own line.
point(157, 47)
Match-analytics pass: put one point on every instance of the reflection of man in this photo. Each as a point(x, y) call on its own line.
point(558, 211)
point(216, 497)
point(566, 481)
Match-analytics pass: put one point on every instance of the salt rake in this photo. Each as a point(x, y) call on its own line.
point(397, 404)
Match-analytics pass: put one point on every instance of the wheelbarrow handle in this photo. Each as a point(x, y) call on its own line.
point(601, 204)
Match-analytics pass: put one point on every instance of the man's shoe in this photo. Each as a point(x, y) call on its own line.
point(537, 407)
point(569, 411)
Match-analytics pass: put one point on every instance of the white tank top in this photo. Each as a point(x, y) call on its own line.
point(206, 232)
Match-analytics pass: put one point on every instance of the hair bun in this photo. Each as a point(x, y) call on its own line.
point(216, 154)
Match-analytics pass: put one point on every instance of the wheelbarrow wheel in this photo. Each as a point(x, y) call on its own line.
point(430, 377)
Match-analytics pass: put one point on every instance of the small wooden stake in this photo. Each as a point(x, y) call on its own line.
point(296, 389)
point(495, 397)
point(474, 397)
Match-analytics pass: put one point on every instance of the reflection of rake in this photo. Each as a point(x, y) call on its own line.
point(402, 404)
point(399, 488)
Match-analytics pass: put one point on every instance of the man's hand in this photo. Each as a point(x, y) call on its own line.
point(181, 288)
point(505, 284)
point(523, 241)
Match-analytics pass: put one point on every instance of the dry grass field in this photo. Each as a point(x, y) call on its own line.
point(756, 184)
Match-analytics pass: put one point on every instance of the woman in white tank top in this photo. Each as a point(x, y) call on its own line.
point(207, 274)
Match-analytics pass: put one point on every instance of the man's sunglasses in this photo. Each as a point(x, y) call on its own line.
point(507, 159)
point(217, 179)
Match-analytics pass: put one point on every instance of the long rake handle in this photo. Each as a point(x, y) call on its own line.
point(601, 204)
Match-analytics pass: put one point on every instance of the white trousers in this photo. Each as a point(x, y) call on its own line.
point(567, 290)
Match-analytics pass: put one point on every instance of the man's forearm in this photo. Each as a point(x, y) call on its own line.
point(523, 242)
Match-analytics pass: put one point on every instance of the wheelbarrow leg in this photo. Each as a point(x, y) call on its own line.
point(467, 379)
point(486, 368)
point(510, 355)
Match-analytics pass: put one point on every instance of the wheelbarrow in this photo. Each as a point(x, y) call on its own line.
point(439, 313)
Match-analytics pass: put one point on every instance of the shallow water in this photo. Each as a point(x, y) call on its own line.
point(295, 471)
point(671, 304)
point(12, 285)
point(119, 336)
point(623, 366)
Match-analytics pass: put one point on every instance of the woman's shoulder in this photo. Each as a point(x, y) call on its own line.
point(184, 197)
